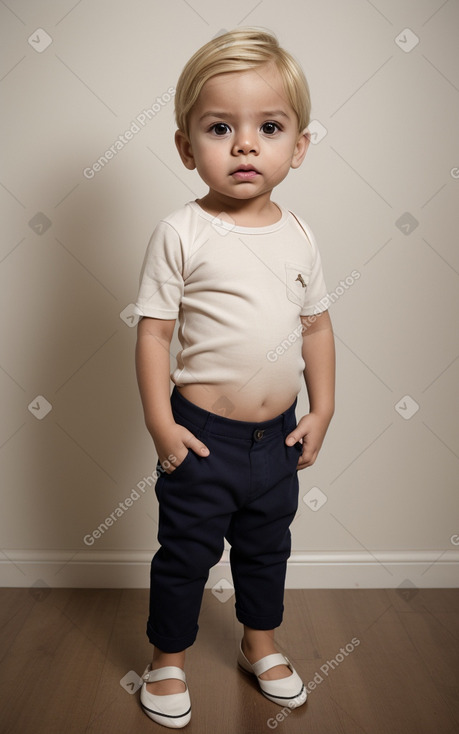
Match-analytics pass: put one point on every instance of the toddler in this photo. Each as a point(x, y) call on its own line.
point(243, 276)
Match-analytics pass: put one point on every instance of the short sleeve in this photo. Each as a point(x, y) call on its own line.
point(315, 300)
point(161, 279)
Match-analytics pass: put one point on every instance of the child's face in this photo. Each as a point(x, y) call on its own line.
point(243, 134)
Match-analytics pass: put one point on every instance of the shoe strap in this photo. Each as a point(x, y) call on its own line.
point(269, 661)
point(170, 671)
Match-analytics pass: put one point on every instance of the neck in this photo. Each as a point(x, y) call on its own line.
point(246, 212)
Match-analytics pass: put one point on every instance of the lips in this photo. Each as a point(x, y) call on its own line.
point(245, 173)
point(245, 169)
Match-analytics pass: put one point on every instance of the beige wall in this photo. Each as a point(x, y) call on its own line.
point(389, 160)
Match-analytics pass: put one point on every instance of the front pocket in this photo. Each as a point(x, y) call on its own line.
point(296, 282)
point(181, 465)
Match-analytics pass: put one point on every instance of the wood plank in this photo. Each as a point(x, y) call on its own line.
point(49, 674)
point(383, 685)
point(438, 648)
point(117, 707)
point(65, 652)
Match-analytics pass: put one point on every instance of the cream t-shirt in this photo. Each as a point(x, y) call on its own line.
point(238, 293)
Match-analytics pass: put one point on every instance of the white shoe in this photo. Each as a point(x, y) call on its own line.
point(173, 710)
point(288, 691)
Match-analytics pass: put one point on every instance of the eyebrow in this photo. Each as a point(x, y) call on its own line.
point(267, 113)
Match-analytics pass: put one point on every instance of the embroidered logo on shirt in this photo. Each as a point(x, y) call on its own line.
point(300, 278)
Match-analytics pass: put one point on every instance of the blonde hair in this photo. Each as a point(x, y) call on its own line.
point(240, 50)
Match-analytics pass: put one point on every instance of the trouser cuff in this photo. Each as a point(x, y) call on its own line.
point(171, 644)
point(259, 623)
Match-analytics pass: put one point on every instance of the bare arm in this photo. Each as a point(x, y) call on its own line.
point(172, 441)
point(319, 375)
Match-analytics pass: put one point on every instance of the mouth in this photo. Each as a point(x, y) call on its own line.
point(245, 173)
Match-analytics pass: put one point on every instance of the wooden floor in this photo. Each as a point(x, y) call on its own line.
point(64, 652)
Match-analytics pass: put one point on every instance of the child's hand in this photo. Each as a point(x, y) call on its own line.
point(173, 445)
point(311, 430)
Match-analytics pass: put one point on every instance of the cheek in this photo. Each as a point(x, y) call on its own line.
point(284, 155)
point(210, 158)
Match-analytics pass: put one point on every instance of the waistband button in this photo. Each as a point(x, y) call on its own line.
point(258, 434)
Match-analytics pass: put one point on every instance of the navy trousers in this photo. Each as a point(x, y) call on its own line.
point(246, 491)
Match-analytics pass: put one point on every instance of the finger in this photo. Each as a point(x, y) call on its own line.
point(168, 465)
point(293, 438)
point(307, 459)
point(196, 445)
point(175, 458)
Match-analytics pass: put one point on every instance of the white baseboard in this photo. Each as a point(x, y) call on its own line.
point(306, 570)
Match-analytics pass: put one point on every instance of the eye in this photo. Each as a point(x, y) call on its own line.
point(269, 128)
point(220, 128)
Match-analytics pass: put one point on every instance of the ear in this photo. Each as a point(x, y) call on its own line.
point(301, 148)
point(185, 151)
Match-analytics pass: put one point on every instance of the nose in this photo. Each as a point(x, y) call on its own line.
point(245, 142)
